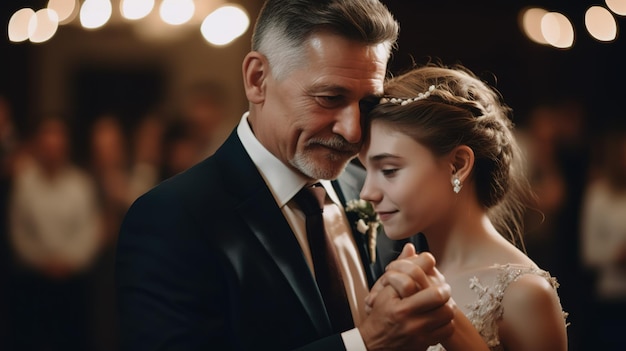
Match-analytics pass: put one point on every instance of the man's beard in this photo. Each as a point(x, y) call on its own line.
point(330, 167)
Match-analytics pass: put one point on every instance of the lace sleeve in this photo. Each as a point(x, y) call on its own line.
point(487, 310)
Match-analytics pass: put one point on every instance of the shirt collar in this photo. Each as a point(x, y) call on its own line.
point(284, 183)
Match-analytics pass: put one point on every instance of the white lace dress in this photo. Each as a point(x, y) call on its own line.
point(486, 310)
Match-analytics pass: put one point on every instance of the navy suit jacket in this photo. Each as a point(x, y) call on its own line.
point(207, 261)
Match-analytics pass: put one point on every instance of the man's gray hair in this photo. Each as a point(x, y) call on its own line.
point(284, 26)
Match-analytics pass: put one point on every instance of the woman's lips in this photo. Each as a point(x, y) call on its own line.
point(385, 215)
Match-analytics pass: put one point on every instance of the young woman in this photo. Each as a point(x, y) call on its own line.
point(441, 159)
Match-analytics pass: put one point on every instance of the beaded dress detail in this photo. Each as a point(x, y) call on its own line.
point(486, 310)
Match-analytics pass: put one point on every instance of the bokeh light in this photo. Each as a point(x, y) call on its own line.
point(600, 23)
point(617, 6)
point(136, 9)
point(18, 24)
point(43, 25)
point(557, 30)
point(531, 24)
point(65, 9)
point(176, 12)
point(224, 25)
point(95, 13)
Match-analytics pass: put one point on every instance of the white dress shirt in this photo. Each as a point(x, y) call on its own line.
point(54, 220)
point(284, 183)
point(603, 231)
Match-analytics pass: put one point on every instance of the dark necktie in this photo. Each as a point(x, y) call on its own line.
point(327, 273)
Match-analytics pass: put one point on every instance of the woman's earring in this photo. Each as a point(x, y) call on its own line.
point(456, 184)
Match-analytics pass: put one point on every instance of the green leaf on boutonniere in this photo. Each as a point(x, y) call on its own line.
point(366, 222)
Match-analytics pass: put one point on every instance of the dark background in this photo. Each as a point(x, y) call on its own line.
point(484, 35)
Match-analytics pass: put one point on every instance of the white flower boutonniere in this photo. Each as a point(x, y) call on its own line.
point(367, 222)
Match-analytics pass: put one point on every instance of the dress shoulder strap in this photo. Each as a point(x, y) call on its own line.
point(485, 312)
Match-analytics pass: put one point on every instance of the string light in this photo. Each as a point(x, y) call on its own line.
point(65, 9)
point(555, 29)
point(176, 12)
point(42, 25)
point(95, 13)
point(28, 24)
point(18, 25)
point(136, 9)
point(600, 23)
point(617, 6)
point(531, 24)
point(224, 25)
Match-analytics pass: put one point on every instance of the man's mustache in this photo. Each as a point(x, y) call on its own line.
point(337, 143)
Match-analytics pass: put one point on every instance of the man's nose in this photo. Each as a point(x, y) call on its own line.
point(348, 124)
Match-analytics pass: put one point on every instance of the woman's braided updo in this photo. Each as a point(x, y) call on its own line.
point(463, 110)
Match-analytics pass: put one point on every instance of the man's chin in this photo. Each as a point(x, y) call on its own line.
point(328, 168)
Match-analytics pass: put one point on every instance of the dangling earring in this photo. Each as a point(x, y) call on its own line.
point(456, 184)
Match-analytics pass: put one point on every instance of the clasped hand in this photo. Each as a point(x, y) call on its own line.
point(409, 307)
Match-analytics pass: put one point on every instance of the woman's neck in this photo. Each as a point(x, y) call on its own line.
point(461, 241)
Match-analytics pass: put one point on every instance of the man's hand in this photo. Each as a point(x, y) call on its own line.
point(427, 314)
point(409, 308)
point(407, 274)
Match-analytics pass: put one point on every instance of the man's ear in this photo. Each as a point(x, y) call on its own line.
point(462, 161)
point(255, 69)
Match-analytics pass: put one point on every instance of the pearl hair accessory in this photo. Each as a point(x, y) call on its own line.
point(403, 102)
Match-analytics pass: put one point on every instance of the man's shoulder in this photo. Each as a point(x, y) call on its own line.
point(199, 181)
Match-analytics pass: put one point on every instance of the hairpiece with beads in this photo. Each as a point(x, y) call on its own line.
point(401, 101)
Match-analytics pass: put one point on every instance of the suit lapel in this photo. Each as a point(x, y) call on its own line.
point(281, 244)
point(259, 210)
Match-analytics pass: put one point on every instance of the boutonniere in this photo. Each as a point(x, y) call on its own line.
point(366, 221)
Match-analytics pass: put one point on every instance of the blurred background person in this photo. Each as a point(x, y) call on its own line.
point(198, 127)
point(539, 138)
point(179, 150)
point(53, 213)
point(557, 155)
point(203, 111)
point(109, 165)
point(603, 238)
point(147, 151)
point(54, 226)
point(8, 138)
point(125, 168)
point(9, 144)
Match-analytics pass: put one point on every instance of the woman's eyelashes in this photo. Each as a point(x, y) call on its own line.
point(389, 172)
